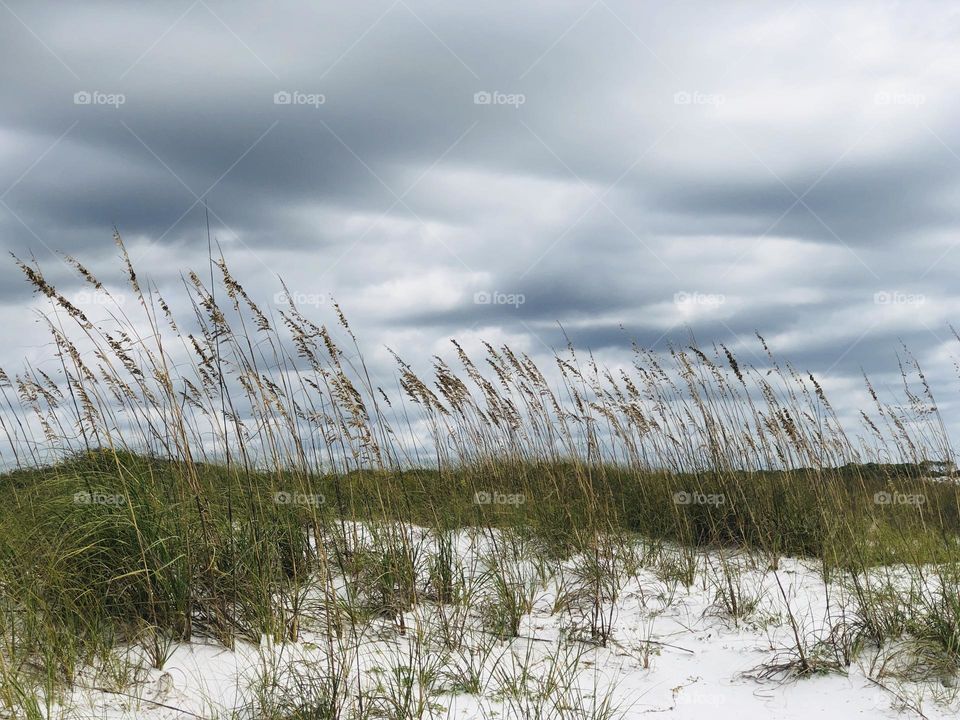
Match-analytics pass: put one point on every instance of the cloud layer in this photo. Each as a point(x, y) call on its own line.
point(608, 171)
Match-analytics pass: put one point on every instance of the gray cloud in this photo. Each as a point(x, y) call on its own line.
point(638, 156)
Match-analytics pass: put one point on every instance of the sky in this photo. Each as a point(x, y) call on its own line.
point(602, 170)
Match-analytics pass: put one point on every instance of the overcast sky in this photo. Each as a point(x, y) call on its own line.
point(628, 170)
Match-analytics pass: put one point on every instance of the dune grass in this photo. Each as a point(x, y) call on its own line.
point(198, 475)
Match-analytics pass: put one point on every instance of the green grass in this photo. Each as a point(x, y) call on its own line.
point(137, 535)
point(149, 561)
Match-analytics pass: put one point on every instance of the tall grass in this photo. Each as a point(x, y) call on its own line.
point(199, 473)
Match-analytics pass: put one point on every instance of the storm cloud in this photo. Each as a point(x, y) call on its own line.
point(605, 171)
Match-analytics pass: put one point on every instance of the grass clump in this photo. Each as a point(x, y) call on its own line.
point(234, 472)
